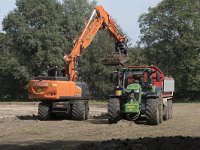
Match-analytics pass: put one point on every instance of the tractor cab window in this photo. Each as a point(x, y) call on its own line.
point(132, 77)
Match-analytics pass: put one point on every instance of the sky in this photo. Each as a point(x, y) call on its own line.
point(125, 12)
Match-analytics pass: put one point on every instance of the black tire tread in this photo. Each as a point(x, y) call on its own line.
point(86, 111)
point(170, 109)
point(78, 111)
point(151, 111)
point(113, 110)
point(165, 111)
point(44, 111)
point(161, 110)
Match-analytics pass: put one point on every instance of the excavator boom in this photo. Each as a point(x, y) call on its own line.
point(93, 25)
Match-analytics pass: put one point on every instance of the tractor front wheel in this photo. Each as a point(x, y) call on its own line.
point(113, 110)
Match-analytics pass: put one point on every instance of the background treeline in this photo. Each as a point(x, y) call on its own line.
point(39, 33)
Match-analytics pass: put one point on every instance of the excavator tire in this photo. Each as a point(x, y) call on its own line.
point(78, 111)
point(86, 111)
point(113, 110)
point(152, 111)
point(44, 111)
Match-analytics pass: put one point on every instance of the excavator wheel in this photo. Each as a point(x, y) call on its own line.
point(86, 111)
point(44, 111)
point(78, 110)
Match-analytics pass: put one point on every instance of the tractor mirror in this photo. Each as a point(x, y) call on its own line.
point(157, 76)
point(146, 77)
point(115, 77)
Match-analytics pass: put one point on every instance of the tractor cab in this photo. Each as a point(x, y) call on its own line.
point(128, 78)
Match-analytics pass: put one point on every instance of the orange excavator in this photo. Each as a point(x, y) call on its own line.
point(59, 90)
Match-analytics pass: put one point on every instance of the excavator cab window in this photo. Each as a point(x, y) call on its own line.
point(55, 72)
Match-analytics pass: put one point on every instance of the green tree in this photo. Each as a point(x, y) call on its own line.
point(136, 57)
point(94, 72)
point(76, 13)
point(34, 39)
point(171, 40)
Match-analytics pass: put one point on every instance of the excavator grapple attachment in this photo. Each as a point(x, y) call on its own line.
point(114, 59)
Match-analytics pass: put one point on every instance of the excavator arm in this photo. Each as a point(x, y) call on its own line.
point(104, 20)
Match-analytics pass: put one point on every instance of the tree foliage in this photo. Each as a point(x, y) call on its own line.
point(34, 39)
point(171, 40)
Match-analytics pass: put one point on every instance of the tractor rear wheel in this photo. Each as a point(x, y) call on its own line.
point(44, 111)
point(152, 111)
point(78, 110)
point(113, 110)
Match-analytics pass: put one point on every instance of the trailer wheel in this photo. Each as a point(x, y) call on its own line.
point(113, 110)
point(78, 110)
point(86, 110)
point(166, 112)
point(170, 109)
point(152, 111)
point(161, 110)
point(44, 111)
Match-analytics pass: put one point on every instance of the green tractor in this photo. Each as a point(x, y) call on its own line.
point(141, 91)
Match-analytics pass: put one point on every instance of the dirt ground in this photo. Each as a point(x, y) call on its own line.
point(20, 129)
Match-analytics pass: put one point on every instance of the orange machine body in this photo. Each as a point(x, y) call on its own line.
point(53, 90)
point(57, 90)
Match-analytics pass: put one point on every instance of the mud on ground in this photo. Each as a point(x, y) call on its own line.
point(20, 129)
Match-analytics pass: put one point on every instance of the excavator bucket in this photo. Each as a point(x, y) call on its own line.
point(114, 59)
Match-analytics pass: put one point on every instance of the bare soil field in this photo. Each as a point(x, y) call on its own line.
point(20, 129)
